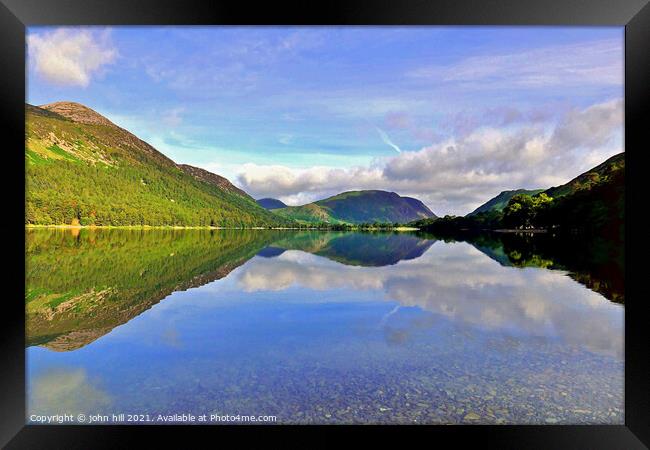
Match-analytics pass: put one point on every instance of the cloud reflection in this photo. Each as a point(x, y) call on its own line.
point(459, 282)
point(66, 391)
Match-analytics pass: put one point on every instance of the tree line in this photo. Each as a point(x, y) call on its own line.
point(599, 210)
point(64, 192)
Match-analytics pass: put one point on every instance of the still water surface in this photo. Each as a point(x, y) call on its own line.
point(314, 327)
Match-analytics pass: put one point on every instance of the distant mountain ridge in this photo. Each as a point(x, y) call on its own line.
point(82, 169)
point(271, 203)
point(355, 207)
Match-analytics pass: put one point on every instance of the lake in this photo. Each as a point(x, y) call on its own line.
point(321, 327)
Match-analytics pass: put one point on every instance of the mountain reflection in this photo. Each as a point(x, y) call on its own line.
point(355, 249)
point(81, 285)
point(594, 262)
point(459, 282)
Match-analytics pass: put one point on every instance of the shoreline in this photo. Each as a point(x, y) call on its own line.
point(514, 230)
point(178, 227)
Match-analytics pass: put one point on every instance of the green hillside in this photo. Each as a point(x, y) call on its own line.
point(593, 203)
point(83, 169)
point(600, 174)
point(596, 206)
point(500, 201)
point(357, 207)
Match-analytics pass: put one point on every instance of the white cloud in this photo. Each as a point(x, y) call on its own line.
point(590, 128)
point(594, 63)
point(70, 57)
point(295, 185)
point(457, 175)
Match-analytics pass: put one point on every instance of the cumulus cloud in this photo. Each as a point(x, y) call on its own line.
point(70, 57)
point(286, 182)
point(458, 174)
point(588, 128)
point(464, 122)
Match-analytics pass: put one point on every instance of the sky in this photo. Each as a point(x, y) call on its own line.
point(449, 115)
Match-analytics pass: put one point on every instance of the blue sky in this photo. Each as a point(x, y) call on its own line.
point(451, 115)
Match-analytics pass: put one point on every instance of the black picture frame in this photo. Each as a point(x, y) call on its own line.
point(16, 15)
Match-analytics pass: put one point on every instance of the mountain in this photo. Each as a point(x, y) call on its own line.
point(500, 201)
point(359, 207)
point(84, 169)
point(595, 176)
point(602, 173)
point(271, 203)
point(213, 179)
point(592, 204)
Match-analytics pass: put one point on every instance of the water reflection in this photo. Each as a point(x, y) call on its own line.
point(66, 391)
point(458, 281)
point(319, 327)
point(355, 249)
point(595, 262)
point(80, 285)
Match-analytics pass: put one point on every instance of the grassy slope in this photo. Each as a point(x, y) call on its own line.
point(599, 174)
point(499, 202)
point(358, 207)
point(98, 173)
point(310, 214)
